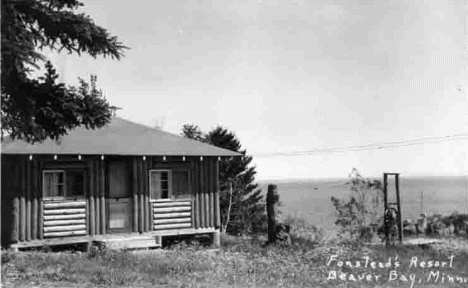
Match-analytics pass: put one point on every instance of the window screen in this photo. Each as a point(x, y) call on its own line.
point(63, 183)
point(159, 184)
point(180, 184)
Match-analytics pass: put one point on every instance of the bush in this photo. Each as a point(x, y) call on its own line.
point(304, 235)
point(359, 215)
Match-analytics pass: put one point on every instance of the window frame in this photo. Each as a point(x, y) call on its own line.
point(170, 191)
point(66, 196)
point(169, 183)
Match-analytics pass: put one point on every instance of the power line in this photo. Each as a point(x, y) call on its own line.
point(378, 146)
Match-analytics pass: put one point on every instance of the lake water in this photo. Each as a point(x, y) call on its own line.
point(310, 199)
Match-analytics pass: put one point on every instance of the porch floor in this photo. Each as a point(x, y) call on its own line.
point(151, 239)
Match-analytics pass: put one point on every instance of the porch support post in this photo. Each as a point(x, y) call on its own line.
point(135, 195)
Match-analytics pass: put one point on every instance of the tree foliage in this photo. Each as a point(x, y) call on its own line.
point(360, 214)
point(37, 109)
point(192, 131)
point(242, 204)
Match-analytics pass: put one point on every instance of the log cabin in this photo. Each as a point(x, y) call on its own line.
point(123, 185)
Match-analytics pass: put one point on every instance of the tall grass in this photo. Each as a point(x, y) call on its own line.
point(241, 262)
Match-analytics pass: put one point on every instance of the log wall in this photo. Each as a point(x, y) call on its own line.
point(64, 218)
point(30, 217)
point(204, 184)
point(172, 215)
point(206, 198)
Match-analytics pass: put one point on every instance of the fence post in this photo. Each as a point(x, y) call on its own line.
point(272, 212)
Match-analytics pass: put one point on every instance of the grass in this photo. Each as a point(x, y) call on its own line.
point(241, 262)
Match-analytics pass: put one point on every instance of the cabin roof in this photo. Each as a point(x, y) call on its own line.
point(119, 137)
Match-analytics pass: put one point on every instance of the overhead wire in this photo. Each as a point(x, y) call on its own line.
point(372, 146)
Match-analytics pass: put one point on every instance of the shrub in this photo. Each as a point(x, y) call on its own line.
point(304, 235)
point(358, 215)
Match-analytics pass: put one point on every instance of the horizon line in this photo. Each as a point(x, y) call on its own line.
point(370, 177)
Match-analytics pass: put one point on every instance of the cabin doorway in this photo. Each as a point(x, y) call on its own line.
point(119, 198)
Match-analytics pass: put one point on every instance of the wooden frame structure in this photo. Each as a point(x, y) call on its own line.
point(31, 219)
point(398, 208)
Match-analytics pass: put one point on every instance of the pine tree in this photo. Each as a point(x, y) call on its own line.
point(192, 131)
point(37, 109)
point(241, 202)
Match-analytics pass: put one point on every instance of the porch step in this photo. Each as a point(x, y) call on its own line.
point(137, 242)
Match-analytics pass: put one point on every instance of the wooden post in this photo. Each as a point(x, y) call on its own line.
point(102, 183)
point(34, 212)
point(217, 223)
point(272, 211)
point(15, 220)
point(144, 191)
point(92, 211)
point(400, 222)
point(387, 240)
point(211, 208)
point(97, 201)
point(22, 205)
point(28, 199)
point(135, 196)
point(40, 205)
point(217, 239)
point(201, 192)
point(196, 191)
point(141, 197)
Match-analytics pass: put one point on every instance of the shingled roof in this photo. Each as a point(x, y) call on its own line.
point(120, 137)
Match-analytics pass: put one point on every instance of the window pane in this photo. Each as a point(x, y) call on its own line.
point(60, 190)
point(164, 175)
point(155, 175)
point(180, 184)
point(60, 177)
point(155, 185)
point(75, 183)
point(165, 194)
point(54, 184)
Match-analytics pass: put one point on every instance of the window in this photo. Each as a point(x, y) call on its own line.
point(54, 183)
point(159, 184)
point(61, 183)
point(166, 184)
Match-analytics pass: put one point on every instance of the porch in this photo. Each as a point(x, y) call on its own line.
point(152, 239)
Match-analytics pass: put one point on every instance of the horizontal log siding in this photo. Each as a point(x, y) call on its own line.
point(64, 218)
point(172, 215)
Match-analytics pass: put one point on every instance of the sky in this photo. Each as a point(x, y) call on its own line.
point(294, 75)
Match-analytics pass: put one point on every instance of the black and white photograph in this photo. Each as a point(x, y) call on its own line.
point(234, 143)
